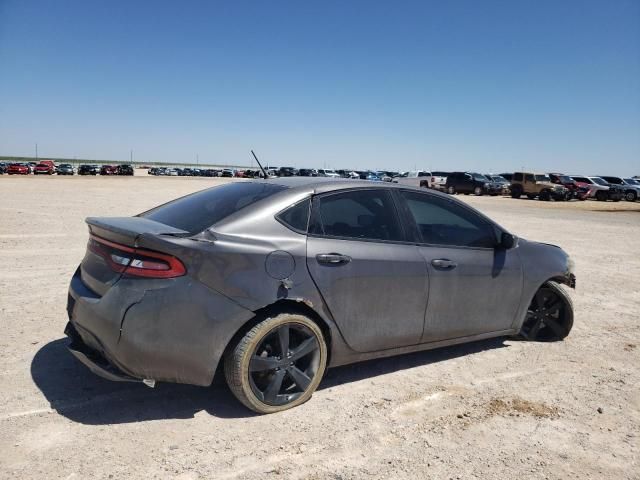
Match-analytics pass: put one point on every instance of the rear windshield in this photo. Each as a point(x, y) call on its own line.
point(199, 211)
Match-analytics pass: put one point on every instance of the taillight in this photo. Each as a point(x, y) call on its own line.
point(137, 262)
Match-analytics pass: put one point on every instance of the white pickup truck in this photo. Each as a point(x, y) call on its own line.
point(416, 178)
point(438, 180)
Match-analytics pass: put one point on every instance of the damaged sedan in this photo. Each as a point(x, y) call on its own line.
point(273, 281)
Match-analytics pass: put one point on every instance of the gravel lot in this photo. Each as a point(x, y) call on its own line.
point(494, 409)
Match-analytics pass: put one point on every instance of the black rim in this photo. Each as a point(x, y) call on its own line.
point(284, 364)
point(546, 317)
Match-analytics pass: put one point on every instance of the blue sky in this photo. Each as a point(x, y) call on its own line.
point(478, 85)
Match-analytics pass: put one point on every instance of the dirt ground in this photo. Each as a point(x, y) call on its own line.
point(492, 410)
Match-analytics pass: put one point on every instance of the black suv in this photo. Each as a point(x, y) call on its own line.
point(287, 172)
point(125, 170)
point(470, 182)
point(88, 170)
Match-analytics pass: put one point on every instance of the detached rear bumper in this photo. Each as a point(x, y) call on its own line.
point(93, 360)
point(171, 330)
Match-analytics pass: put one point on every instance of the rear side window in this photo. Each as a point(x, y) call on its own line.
point(517, 177)
point(441, 222)
point(528, 177)
point(199, 211)
point(359, 214)
point(297, 216)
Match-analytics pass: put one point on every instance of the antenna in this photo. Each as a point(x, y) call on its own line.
point(264, 172)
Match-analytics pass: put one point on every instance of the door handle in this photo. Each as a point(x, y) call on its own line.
point(444, 263)
point(333, 258)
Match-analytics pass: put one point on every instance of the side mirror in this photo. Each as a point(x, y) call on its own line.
point(508, 241)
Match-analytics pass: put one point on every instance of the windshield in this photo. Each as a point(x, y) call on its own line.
point(565, 179)
point(479, 177)
point(599, 181)
point(199, 211)
point(542, 178)
point(499, 178)
point(632, 181)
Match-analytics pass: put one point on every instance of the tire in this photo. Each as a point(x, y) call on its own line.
point(630, 196)
point(516, 191)
point(601, 196)
point(531, 196)
point(544, 195)
point(478, 191)
point(451, 190)
point(273, 373)
point(547, 327)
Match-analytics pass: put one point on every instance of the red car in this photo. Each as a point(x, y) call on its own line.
point(578, 190)
point(45, 166)
point(108, 170)
point(18, 169)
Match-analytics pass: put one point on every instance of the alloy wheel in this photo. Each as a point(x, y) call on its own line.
point(284, 364)
point(548, 317)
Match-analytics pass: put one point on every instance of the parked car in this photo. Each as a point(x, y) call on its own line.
point(65, 169)
point(537, 185)
point(501, 182)
point(46, 167)
point(276, 281)
point(108, 170)
point(470, 182)
point(414, 178)
point(124, 169)
point(577, 190)
point(439, 180)
point(89, 170)
point(600, 189)
point(18, 169)
point(32, 166)
point(3, 168)
point(630, 190)
point(228, 172)
point(287, 172)
point(327, 172)
point(307, 172)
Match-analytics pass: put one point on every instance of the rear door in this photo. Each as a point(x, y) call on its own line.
point(473, 287)
point(374, 282)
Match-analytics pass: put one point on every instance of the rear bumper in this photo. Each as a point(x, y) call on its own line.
point(172, 330)
point(92, 359)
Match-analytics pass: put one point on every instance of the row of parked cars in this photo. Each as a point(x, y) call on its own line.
point(48, 167)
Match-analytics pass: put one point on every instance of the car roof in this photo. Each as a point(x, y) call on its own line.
point(328, 184)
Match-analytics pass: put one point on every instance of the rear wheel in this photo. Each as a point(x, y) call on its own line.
point(550, 315)
point(601, 196)
point(544, 195)
point(278, 364)
point(516, 191)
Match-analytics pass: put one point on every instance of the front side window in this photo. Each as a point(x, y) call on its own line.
point(359, 214)
point(517, 177)
point(441, 222)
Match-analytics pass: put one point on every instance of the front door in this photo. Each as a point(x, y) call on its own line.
point(374, 283)
point(474, 286)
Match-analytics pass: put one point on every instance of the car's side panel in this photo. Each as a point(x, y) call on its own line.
point(379, 297)
point(480, 294)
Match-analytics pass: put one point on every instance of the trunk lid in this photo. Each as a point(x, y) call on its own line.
point(118, 236)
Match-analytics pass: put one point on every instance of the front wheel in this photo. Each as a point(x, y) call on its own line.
point(630, 196)
point(451, 190)
point(550, 315)
point(278, 364)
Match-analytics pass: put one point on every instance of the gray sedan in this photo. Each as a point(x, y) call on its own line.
point(276, 280)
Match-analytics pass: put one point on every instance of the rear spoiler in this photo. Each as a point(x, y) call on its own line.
point(126, 230)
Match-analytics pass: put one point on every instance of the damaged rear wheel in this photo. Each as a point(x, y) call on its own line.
point(278, 364)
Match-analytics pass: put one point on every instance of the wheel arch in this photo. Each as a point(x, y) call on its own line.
point(283, 305)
